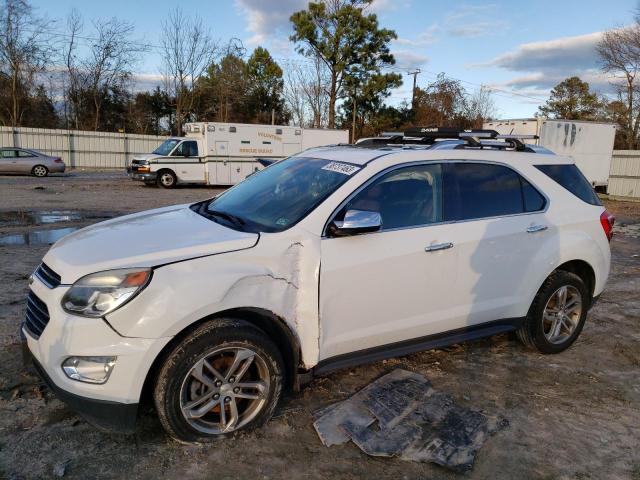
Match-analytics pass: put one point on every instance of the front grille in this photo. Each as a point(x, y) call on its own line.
point(37, 315)
point(50, 278)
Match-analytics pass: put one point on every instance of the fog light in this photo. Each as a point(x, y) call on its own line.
point(89, 369)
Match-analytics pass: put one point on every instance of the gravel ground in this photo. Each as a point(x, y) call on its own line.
point(573, 415)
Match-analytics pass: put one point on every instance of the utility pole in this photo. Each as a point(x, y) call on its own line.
point(413, 92)
point(353, 121)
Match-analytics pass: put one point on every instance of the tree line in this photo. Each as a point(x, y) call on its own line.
point(80, 75)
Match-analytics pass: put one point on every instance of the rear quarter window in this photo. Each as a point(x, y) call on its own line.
point(572, 179)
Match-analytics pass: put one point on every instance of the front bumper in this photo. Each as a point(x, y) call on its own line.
point(147, 177)
point(111, 405)
point(104, 414)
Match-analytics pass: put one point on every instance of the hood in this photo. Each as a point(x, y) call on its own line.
point(144, 239)
point(145, 156)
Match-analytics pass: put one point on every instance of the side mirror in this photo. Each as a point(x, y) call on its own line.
point(355, 222)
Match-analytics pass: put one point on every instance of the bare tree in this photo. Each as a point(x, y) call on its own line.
point(72, 83)
point(481, 106)
point(619, 52)
point(24, 52)
point(110, 62)
point(307, 93)
point(187, 50)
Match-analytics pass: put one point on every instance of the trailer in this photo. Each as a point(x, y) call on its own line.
point(214, 153)
point(589, 143)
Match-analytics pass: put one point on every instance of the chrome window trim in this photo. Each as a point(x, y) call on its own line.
point(324, 235)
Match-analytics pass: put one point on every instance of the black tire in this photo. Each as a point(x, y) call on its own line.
point(532, 331)
point(208, 338)
point(39, 171)
point(166, 179)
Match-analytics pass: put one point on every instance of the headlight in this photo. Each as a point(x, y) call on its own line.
point(97, 294)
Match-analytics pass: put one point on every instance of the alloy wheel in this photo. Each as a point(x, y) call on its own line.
point(40, 171)
point(561, 314)
point(225, 390)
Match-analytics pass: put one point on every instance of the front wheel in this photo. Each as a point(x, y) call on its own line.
point(557, 314)
point(224, 377)
point(167, 179)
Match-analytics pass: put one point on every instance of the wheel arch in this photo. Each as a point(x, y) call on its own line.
point(582, 269)
point(268, 322)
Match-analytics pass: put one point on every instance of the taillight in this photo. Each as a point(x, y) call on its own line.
point(57, 160)
point(607, 220)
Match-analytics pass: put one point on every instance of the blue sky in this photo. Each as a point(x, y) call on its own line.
point(520, 49)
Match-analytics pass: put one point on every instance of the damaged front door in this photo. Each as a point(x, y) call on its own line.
point(391, 285)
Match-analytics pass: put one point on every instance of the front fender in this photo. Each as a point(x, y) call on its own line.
point(278, 276)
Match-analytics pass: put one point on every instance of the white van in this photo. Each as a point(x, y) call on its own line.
point(590, 144)
point(225, 153)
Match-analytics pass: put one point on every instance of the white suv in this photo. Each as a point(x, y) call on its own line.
point(330, 258)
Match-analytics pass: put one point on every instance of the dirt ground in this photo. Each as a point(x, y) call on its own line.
point(573, 415)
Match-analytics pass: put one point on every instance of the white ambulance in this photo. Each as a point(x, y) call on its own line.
point(225, 153)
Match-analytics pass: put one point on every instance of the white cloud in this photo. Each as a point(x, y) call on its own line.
point(407, 60)
point(268, 19)
point(424, 38)
point(544, 64)
point(473, 21)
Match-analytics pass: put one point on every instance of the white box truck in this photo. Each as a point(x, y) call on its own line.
point(589, 143)
point(214, 153)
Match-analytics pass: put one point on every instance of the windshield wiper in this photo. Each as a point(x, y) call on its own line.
point(227, 216)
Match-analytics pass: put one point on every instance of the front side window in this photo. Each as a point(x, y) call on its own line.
point(166, 147)
point(479, 190)
point(186, 149)
point(8, 154)
point(279, 196)
point(405, 197)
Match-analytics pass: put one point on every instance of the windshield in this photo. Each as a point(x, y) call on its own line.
point(279, 196)
point(166, 147)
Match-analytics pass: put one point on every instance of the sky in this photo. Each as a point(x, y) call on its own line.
point(518, 49)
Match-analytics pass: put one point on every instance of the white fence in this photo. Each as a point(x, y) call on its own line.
point(81, 148)
point(624, 176)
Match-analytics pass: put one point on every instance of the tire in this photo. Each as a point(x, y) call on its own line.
point(186, 381)
point(166, 179)
point(551, 332)
point(39, 171)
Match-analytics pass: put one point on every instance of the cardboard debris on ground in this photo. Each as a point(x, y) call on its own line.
point(401, 414)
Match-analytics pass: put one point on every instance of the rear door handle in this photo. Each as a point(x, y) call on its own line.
point(438, 246)
point(536, 228)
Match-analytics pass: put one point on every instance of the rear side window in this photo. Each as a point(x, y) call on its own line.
point(478, 190)
point(572, 179)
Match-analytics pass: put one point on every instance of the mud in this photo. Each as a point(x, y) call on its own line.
point(573, 415)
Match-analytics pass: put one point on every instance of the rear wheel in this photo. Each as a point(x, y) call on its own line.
point(167, 179)
point(557, 314)
point(39, 171)
point(224, 377)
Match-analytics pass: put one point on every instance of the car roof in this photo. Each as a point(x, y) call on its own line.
point(362, 156)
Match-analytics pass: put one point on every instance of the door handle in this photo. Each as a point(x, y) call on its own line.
point(536, 228)
point(438, 246)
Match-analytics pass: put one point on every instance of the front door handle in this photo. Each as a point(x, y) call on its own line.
point(438, 246)
point(536, 228)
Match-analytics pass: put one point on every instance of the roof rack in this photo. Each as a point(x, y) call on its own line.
point(427, 136)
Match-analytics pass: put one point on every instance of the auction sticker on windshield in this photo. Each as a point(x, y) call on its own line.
point(343, 168)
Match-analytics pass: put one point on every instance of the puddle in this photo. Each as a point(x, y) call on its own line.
point(39, 237)
point(46, 217)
